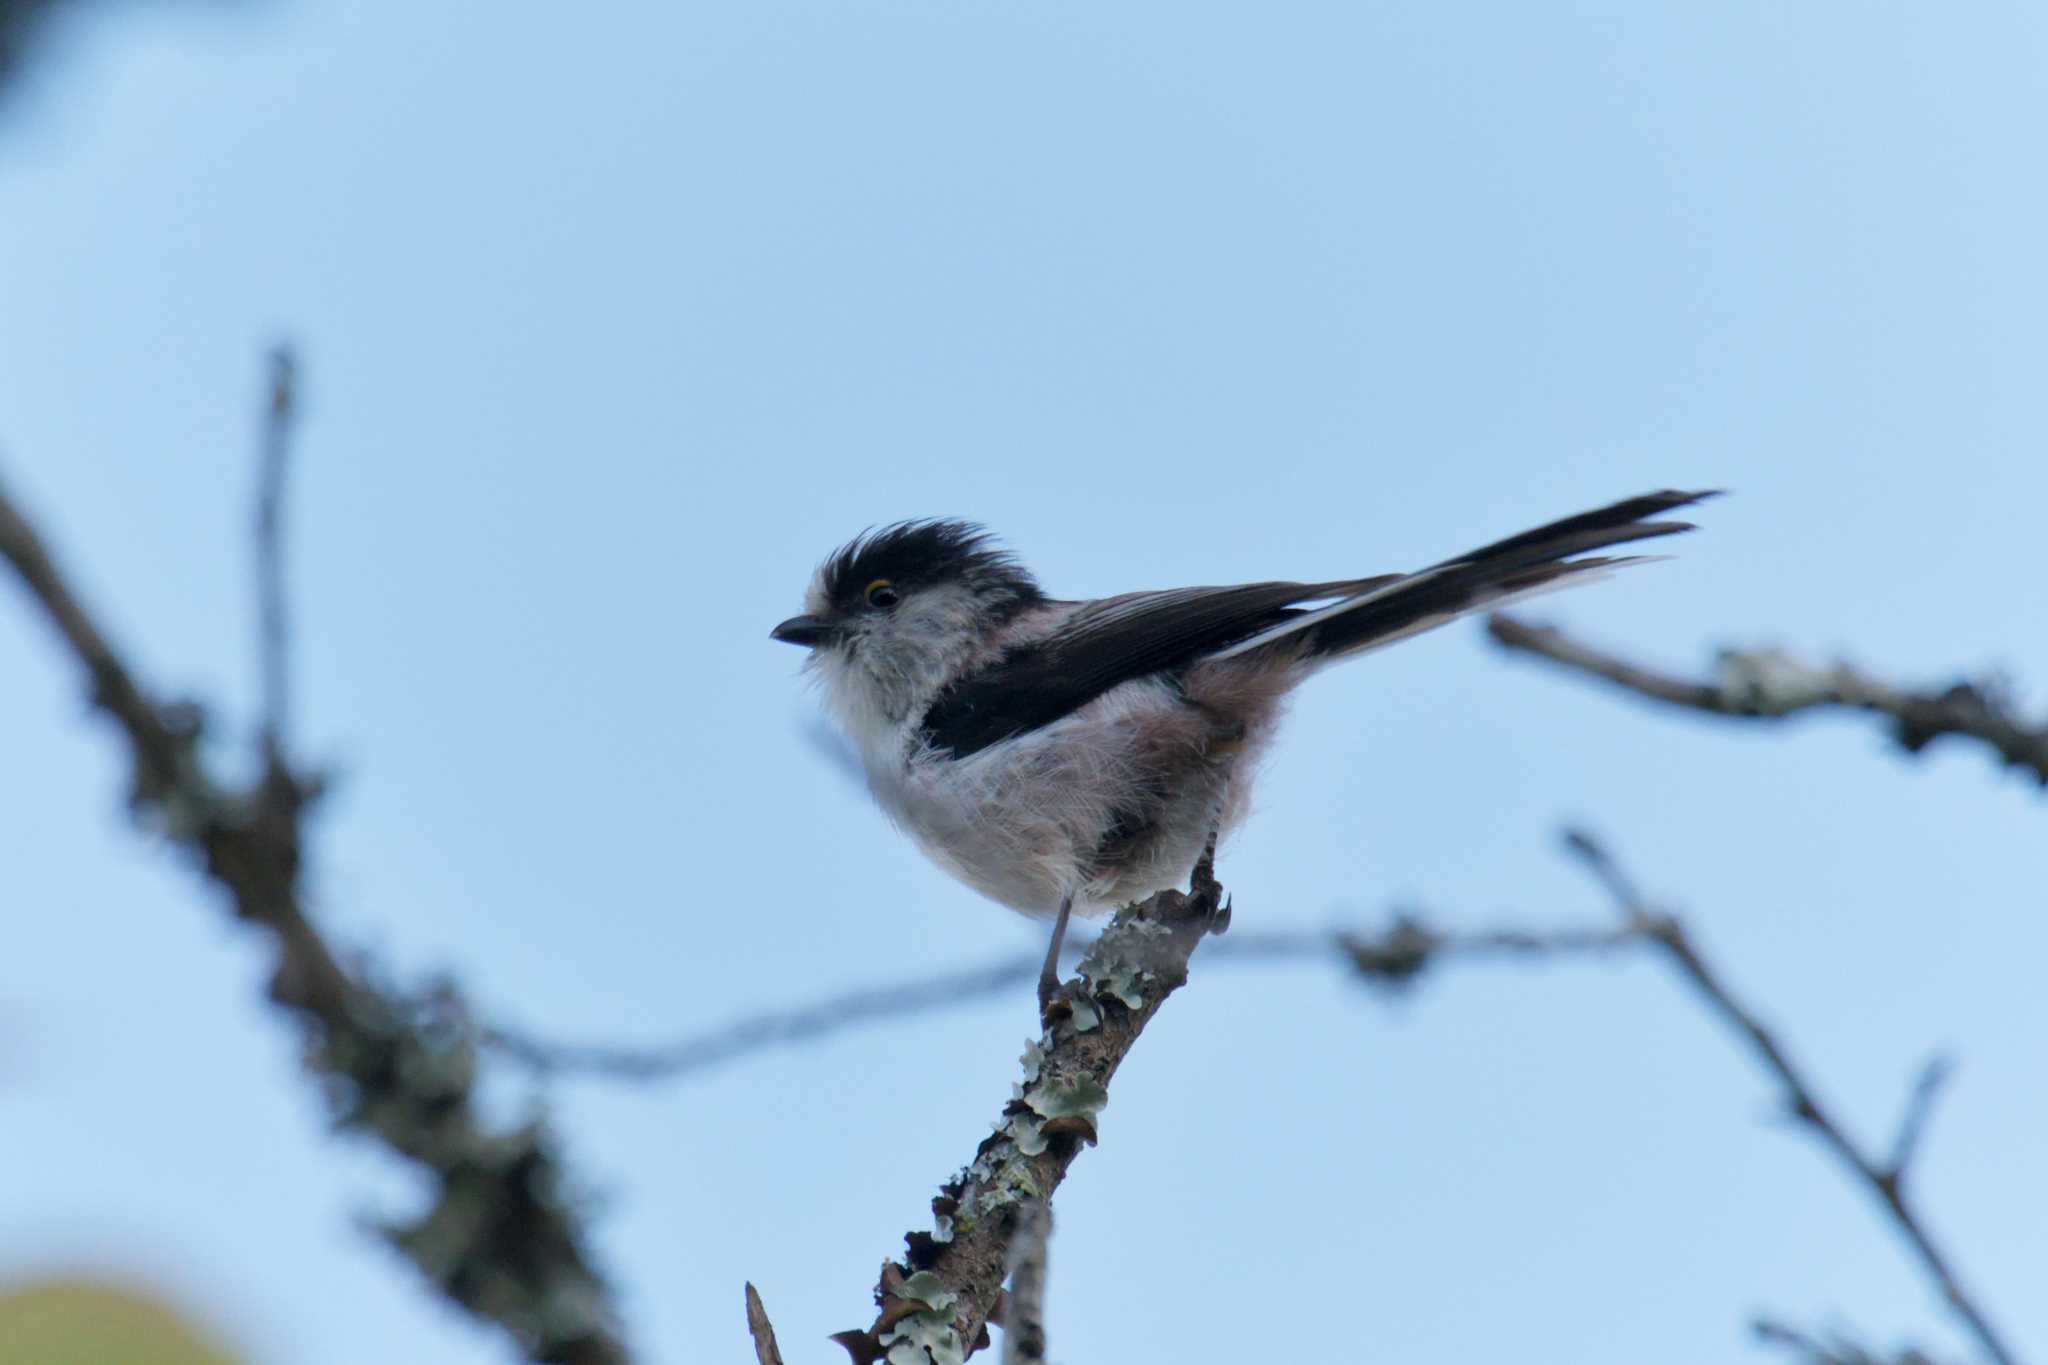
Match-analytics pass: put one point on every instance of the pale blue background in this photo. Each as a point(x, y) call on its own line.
point(617, 320)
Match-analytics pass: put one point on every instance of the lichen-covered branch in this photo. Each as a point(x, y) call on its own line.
point(1886, 1180)
point(1769, 685)
point(936, 1300)
point(935, 1304)
point(501, 1235)
point(766, 1351)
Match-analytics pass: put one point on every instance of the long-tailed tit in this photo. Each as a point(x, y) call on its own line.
point(1056, 754)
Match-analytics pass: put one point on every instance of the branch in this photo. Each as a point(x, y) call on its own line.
point(1835, 1349)
point(1394, 958)
point(935, 1305)
point(766, 1352)
point(501, 1237)
point(1768, 685)
point(273, 617)
point(1919, 1109)
point(1000, 1182)
point(1391, 957)
point(1024, 1310)
point(744, 1036)
point(1886, 1181)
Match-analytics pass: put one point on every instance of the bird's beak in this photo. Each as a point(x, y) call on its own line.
point(808, 631)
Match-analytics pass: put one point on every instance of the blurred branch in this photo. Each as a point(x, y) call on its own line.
point(1024, 1308)
point(500, 1237)
point(20, 25)
point(29, 29)
point(1768, 685)
point(936, 1303)
point(760, 1032)
point(1835, 1349)
point(273, 616)
point(1885, 1180)
point(1919, 1108)
point(1393, 957)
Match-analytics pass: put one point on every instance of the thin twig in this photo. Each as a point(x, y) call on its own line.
point(1024, 1310)
point(1885, 1182)
point(766, 1352)
point(1835, 1349)
point(280, 414)
point(501, 1236)
point(1392, 956)
point(1768, 685)
point(762, 1031)
point(1919, 1108)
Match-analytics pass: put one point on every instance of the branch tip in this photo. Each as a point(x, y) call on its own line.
point(766, 1352)
point(1768, 684)
point(1885, 1181)
point(497, 1239)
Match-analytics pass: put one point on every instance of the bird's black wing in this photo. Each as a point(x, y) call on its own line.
point(1105, 643)
point(1120, 638)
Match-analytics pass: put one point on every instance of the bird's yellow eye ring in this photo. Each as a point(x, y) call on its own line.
point(882, 594)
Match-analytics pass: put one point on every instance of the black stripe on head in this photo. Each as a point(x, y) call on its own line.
point(922, 554)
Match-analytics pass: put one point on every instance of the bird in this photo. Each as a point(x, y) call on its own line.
point(1060, 755)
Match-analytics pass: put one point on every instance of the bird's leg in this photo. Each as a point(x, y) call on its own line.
point(1202, 883)
point(1049, 975)
point(1204, 892)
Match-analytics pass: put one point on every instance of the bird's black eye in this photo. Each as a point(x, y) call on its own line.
point(882, 594)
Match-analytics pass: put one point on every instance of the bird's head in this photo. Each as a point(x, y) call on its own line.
point(891, 613)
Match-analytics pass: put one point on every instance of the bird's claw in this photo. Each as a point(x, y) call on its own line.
point(1219, 918)
point(1053, 1004)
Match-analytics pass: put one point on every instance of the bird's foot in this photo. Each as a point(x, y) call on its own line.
point(1053, 1003)
point(1219, 918)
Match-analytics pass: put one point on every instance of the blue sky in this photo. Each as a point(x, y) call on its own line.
point(614, 324)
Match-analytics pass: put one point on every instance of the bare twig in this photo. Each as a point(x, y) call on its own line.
point(1024, 1311)
point(939, 1298)
point(501, 1236)
point(1397, 955)
point(1834, 1349)
point(1765, 684)
point(1919, 1108)
point(1392, 956)
point(272, 615)
point(762, 1031)
point(1886, 1182)
point(766, 1352)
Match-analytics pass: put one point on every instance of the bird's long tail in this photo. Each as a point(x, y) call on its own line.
point(1520, 566)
